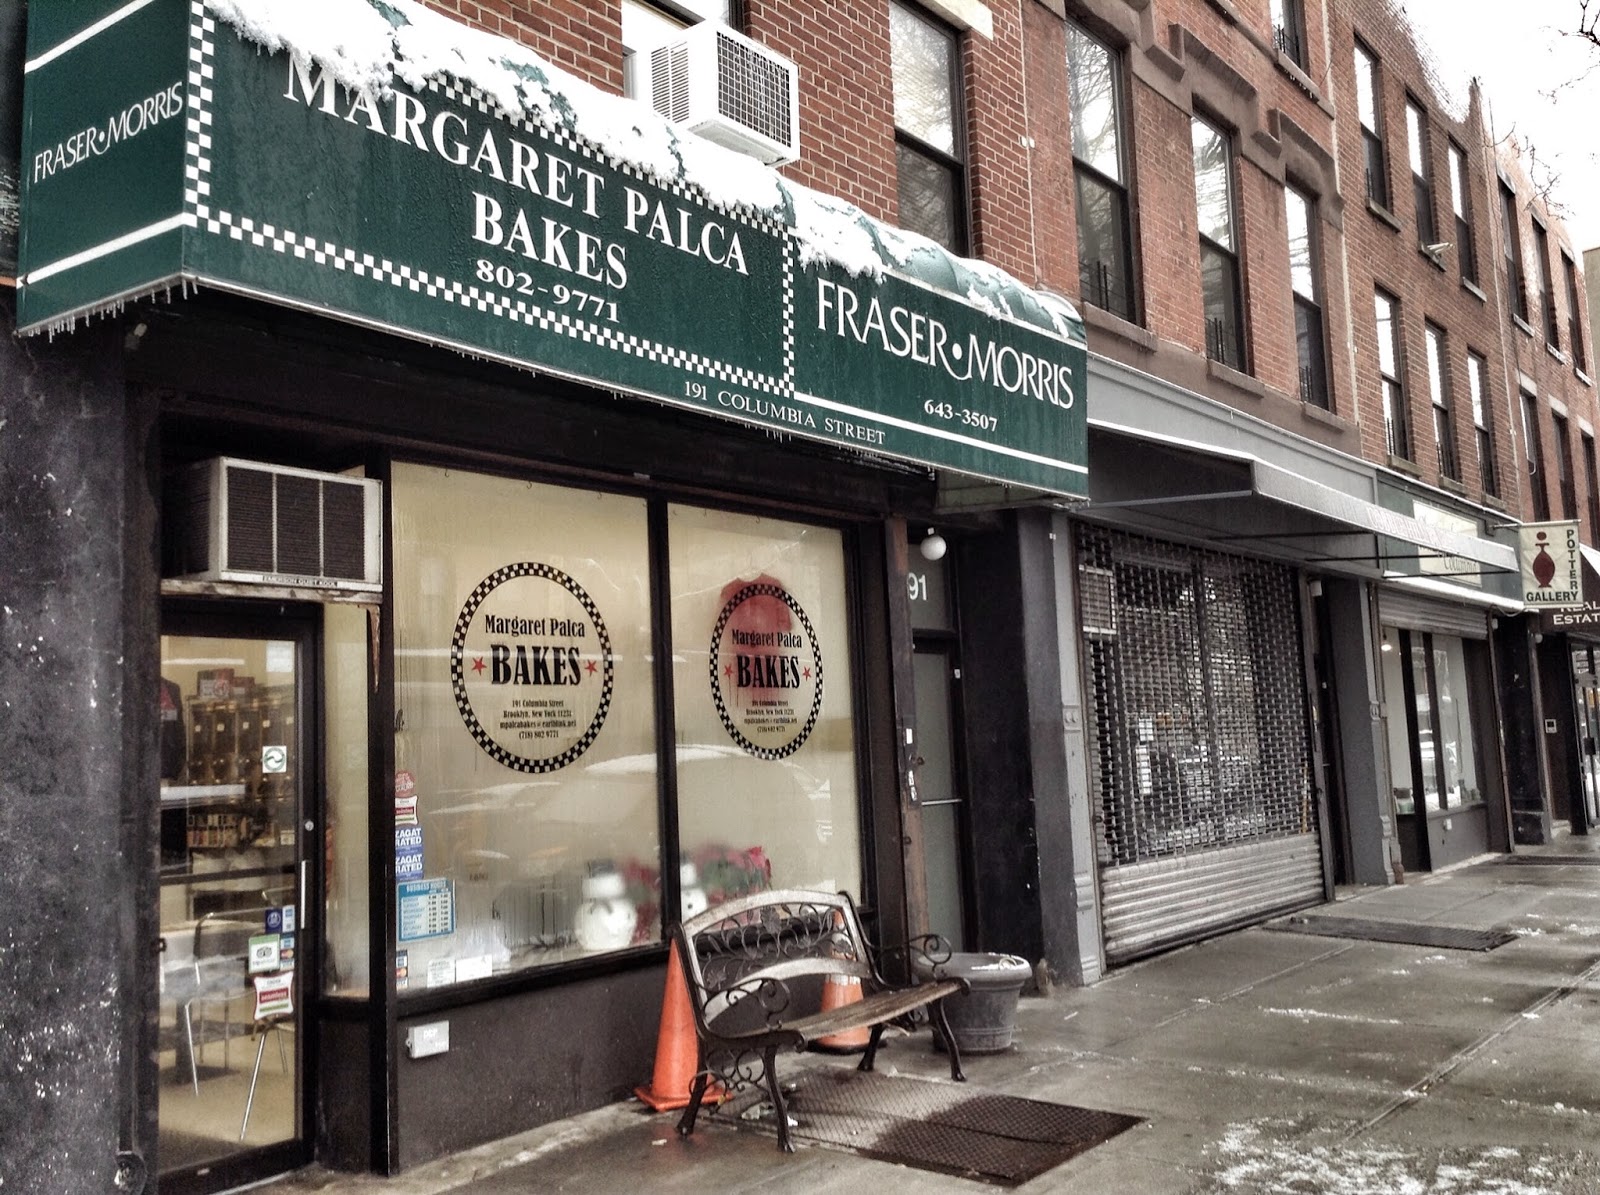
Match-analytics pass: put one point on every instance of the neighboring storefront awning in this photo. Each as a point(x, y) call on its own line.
point(1190, 490)
point(373, 161)
point(1585, 619)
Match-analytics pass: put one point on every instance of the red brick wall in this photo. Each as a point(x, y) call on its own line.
point(1556, 382)
point(1180, 57)
point(584, 39)
point(846, 100)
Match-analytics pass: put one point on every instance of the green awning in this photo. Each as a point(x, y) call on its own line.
point(375, 162)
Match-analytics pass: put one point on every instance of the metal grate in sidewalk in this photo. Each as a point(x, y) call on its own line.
point(948, 1127)
point(1556, 860)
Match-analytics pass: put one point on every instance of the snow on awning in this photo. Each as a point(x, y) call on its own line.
point(376, 162)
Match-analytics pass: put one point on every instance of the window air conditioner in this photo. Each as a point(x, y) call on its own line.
point(235, 520)
point(729, 89)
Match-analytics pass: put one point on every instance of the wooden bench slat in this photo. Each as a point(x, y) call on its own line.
point(868, 1011)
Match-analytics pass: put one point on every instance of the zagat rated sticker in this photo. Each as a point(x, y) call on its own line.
point(531, 666)
point(766, 669)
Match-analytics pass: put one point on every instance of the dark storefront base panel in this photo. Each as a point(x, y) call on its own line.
point(1453, 837)
point(526, 1060)
point(343, 1120)
point(1460, 834)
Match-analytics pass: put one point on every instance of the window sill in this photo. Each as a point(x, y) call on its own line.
point(1555, 352)
point(1436, 260)
point(1453, 486)
point(1400, 465)
point(1467, 284)
point(1297, 73)
point(1526, 327)
point(1383, 213)
point(1237, 379)
point(968, 15)
point(1317, 414)
point(1583, 377)
point(421, 1002)
point(1098, 319)
point(1495, 501)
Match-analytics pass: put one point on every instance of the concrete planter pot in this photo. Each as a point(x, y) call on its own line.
point(983, 1020)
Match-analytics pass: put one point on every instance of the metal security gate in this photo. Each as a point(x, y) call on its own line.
point(1200, 754)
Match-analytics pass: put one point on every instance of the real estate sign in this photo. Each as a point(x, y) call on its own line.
point(164, 149)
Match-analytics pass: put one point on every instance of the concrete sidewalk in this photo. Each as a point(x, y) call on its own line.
point(1261, 1061)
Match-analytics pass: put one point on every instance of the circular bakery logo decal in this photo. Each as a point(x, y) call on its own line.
point(531, 666)
point(766, 669)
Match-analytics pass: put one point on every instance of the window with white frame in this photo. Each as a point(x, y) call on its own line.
point(1565, 489)
point(1105, 235)
point(1512, 240)
point(1289, 30)
point(925, 65)
point(1569, 269)
point(1421, 172)
point(1396, 423)
point(1220, 284)
point(1477, 383)
point(1530, 436)
point(1461, 206)
point(1444, 431)
point(647, 26)
point(1592, 476)
point(1547, 290)
point(1369, 107)
point(1305, 283)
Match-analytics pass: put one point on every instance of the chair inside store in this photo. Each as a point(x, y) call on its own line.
point(215, 1003)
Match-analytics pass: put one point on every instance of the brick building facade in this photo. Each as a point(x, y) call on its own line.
point(1337, 351)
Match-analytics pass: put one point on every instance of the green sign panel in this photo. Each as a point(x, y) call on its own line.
point(195, 155)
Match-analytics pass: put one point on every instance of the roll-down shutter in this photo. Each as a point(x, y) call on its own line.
point(1397, 608)
point(1199, 751)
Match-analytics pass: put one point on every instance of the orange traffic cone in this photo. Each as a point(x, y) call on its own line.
point(677, 1053)
point(837, 991)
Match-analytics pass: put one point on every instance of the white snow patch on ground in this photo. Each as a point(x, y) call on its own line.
point(1252, 1161)
point(1307, 1014)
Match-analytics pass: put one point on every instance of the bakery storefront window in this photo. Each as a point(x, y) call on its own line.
point(526, 807)
point(528, 794)
point(762, 694)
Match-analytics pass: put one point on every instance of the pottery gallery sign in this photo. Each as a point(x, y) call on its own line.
point(1552, 565)
point(163, 149)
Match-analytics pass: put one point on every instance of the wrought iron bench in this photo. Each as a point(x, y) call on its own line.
point(755, 967)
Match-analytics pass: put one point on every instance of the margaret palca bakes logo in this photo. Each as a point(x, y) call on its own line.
point(766, 669)
point(531, 667)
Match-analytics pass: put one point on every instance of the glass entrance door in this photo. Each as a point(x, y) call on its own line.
point(936, 678)
point(1586, 706)
point(943, 829)
point(232, 811)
